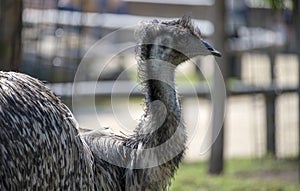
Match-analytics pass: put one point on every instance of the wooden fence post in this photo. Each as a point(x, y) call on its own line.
point(296, 13)
point(271, 124)
point(10, 34)
point(271, 112)
point(216, 160)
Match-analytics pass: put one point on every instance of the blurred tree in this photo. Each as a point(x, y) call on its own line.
point(276, 4)
point(10, 34)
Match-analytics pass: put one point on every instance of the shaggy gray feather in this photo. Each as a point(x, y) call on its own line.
point(40, 146)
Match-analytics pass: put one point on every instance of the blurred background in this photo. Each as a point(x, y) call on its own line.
point(258, 147)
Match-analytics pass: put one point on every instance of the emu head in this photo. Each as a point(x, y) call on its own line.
point(173, 41)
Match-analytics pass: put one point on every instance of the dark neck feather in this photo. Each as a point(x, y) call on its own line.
point(163, 113)
point(157, 74)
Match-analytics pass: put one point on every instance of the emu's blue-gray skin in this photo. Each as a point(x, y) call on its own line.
point(40, 144)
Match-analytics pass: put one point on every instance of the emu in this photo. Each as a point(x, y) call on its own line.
point(42, 147)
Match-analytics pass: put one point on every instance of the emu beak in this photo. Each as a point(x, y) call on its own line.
point(211, 49)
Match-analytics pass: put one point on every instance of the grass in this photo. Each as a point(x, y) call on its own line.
point(244, 175)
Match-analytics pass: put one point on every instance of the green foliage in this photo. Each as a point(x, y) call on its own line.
point(246, 175)
point(276, 4)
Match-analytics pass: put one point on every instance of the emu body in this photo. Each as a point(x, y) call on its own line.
point(42, 148)
point(39, 144)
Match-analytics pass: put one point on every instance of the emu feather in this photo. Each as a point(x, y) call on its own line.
point(41, 144)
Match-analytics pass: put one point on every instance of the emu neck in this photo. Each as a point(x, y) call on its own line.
point(158, 76)
point(160, 85)
point(163, 115)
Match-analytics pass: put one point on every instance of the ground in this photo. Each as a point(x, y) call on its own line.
point(242, 174)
